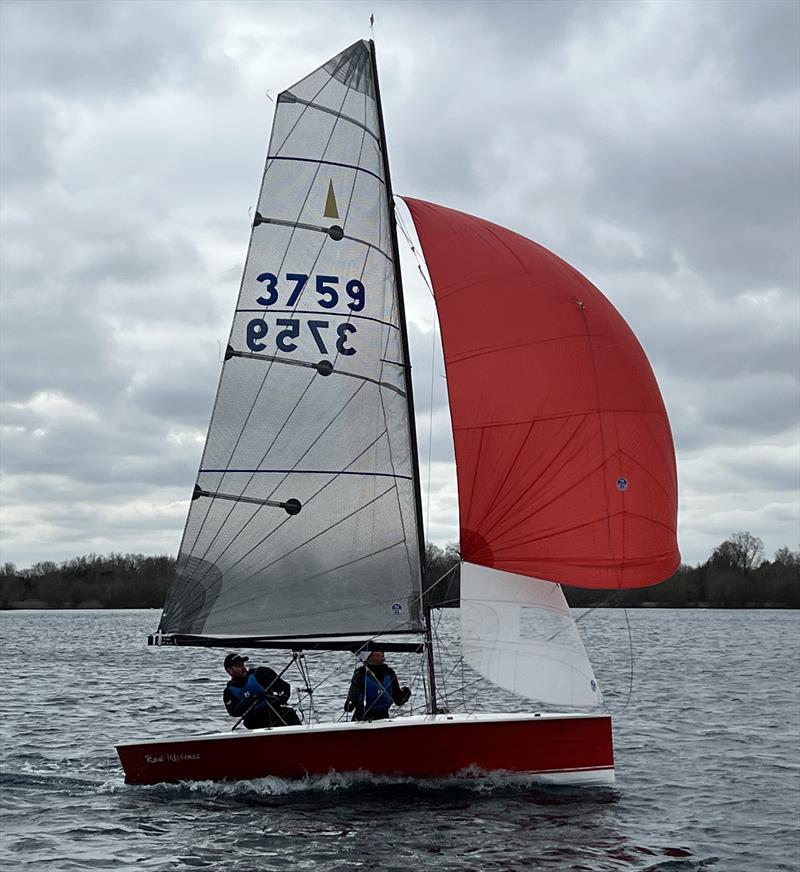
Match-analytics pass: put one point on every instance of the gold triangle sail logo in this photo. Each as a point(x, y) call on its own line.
point(331, 209)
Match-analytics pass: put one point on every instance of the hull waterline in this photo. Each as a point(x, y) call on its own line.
point(560, 748)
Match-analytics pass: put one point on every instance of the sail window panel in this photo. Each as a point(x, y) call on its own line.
point(348, 76)
point(289, 582)
point(192, 595)
point(270, 570)
point(353, 67)
point(332, 195)
point(325, 139)
point(247, 401)
point(519, 633)
point(344, 84)
point(313, 432)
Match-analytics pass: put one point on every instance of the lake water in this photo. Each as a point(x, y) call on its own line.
point(707, 741)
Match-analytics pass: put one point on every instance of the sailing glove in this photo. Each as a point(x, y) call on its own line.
point(405, 693)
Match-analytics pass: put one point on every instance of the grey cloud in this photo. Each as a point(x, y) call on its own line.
point(90, 50)
point(651, 145)
point(179, 391)
point(60, 346)
point(123, 449)
point(29, 135)
point(722, 196)
point(688, 161)
point(696, 336)
point(774, 25)
point(66, 298)
point(769, 473)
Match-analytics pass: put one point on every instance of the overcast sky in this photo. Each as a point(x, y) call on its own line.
point(653, 145)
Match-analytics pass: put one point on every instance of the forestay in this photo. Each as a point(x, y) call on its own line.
point(303, 520)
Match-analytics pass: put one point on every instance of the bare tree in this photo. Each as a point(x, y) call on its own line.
point(788, 558)
point(742, 551)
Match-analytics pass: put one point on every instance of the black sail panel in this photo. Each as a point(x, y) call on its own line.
point(311, 407)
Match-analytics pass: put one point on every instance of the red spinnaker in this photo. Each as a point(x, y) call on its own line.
point(566, 467)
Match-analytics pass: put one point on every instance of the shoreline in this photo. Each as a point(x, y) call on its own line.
point(94, 605)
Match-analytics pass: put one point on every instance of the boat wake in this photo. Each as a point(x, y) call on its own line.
point(47, 781)
point(471, 781)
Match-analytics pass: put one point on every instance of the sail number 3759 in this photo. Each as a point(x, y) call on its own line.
point(325, 287)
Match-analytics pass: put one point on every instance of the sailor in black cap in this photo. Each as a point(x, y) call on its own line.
point(258, 695)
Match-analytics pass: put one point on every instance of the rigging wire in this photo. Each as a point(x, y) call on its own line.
point(414, 252)
point(430, 432)
point(439, 646)
point(419, 674)
point(420, 261)
point(630, 644)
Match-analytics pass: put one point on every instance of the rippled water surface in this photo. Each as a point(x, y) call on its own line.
point(707, 740)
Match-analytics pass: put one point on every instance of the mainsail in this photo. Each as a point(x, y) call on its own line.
point(305, 515)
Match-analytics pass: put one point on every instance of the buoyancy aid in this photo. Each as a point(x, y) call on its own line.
point(377, 694)
point(245, 692)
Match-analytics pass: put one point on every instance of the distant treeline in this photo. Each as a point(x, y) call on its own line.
point(116, 581)
point(735, 576)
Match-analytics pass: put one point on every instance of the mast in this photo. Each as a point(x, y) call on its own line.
point(409, 390)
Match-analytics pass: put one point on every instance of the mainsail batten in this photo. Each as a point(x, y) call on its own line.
point(565, 463)
point(331, 431)
point(288, 97)
point(332, 231)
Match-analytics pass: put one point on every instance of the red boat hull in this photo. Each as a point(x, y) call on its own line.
point(560, 748)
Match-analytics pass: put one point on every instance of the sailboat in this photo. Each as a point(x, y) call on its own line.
point(305, 530)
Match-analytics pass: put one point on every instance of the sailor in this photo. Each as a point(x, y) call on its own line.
point(373, 689)
point(258, 695)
